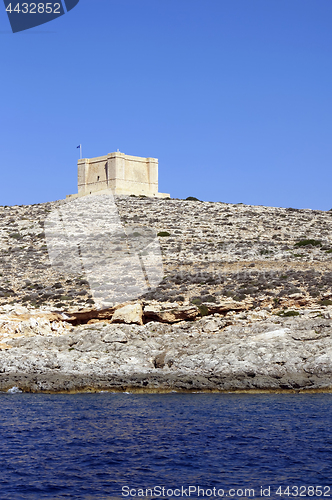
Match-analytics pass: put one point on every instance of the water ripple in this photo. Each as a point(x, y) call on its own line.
point(87, 446)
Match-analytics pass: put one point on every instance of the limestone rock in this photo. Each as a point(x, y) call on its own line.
point(78, 317)
point(208, 255)
point(224, 306)
point(131, 313)
point(115, 336)
point(213, 325)
point(170, 313)
point(243, 263)
point(197, 355)
point(308, 335)
point(4, 346)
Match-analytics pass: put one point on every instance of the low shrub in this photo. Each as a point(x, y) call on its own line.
point(192, 198)
point(203, 310)
point(287, 314)
point(163, 233)
point(208, 298)
point(325, 302)
point(304, 243)
point(239, 297)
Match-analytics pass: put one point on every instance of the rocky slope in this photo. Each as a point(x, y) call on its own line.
point(245, 304)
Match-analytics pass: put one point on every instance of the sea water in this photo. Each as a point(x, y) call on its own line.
point(103, 446)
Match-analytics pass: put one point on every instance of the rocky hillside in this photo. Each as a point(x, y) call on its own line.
point(210, 251)
point(243, 269)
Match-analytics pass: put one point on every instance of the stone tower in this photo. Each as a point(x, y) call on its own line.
point(122, 174)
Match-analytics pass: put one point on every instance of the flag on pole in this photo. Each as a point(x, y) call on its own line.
point(80, 148)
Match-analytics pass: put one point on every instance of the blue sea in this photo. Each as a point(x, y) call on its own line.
point(112, 446)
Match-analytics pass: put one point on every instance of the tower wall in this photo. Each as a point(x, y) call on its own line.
point(123, 174)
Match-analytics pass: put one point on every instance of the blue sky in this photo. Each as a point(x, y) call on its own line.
point(233, 96)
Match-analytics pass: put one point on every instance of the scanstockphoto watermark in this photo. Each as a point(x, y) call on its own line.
point(188, 491)
point(276, 491)
point(86, 237)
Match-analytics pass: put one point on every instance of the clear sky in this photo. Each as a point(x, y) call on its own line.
point(233, 96)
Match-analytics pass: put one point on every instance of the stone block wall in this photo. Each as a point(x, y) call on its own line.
point(123, 174)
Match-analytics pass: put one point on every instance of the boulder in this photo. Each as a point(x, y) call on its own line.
point(131, 313)
point(224, 306)
point(115, 336)
point(168, 313)
point(212, 325)
point(79, 317)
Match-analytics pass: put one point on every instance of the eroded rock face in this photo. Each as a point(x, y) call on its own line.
point(170, 313)
point(131, 313)
point(245, 304)
point(208, 354)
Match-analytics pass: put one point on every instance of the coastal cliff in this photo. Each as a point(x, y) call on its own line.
point(245, 305)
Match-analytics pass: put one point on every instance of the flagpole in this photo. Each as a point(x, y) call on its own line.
point(81, 150)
